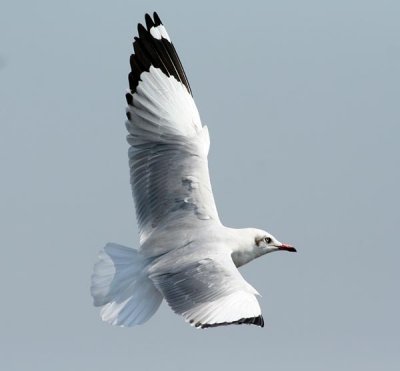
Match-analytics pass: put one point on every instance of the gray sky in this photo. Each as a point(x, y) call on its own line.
point(302, 104)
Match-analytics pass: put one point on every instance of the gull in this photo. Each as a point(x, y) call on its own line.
point(186, 255)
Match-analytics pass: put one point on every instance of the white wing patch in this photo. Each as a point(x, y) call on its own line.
point(228, 309)
point(162, 105)
point(159, 32)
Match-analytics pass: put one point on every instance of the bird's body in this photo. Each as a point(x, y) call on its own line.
point(186, 254)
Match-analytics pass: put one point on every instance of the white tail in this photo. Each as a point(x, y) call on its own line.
point(121, 287)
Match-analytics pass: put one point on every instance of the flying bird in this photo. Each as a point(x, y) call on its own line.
point(186, 255)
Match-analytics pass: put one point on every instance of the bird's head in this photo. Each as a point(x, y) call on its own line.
point(267, 243)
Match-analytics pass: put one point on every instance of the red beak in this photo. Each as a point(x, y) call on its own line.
point(286, 247)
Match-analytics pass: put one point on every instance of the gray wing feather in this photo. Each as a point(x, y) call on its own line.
point(207, 292)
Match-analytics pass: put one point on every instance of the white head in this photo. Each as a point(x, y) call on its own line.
point(251, 243)
point(265, 243)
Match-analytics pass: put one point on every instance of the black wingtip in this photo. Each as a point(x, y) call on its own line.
point(157, 20)
point(129, 99)
point(258, 321)
point(154, 49)
point(141, 30)
point(149, 21)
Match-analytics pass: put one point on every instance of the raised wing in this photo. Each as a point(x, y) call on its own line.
point(169, 146)
point(207, 292)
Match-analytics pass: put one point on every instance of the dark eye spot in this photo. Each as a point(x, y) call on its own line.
point(268, 240)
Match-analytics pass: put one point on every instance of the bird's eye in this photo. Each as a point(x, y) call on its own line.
point(268, 240)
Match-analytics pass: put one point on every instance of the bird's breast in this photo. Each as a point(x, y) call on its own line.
point(242, 257)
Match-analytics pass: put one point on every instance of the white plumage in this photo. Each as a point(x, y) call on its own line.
point(186, 255)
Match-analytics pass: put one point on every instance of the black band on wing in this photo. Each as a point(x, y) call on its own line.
point(150, 51)
point(258, 321)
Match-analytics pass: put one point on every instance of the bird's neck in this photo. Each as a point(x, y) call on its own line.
point(242, 245)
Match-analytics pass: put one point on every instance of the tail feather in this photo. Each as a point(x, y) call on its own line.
point(121, 287)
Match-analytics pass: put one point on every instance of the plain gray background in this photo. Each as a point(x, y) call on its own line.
point(302, 102)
